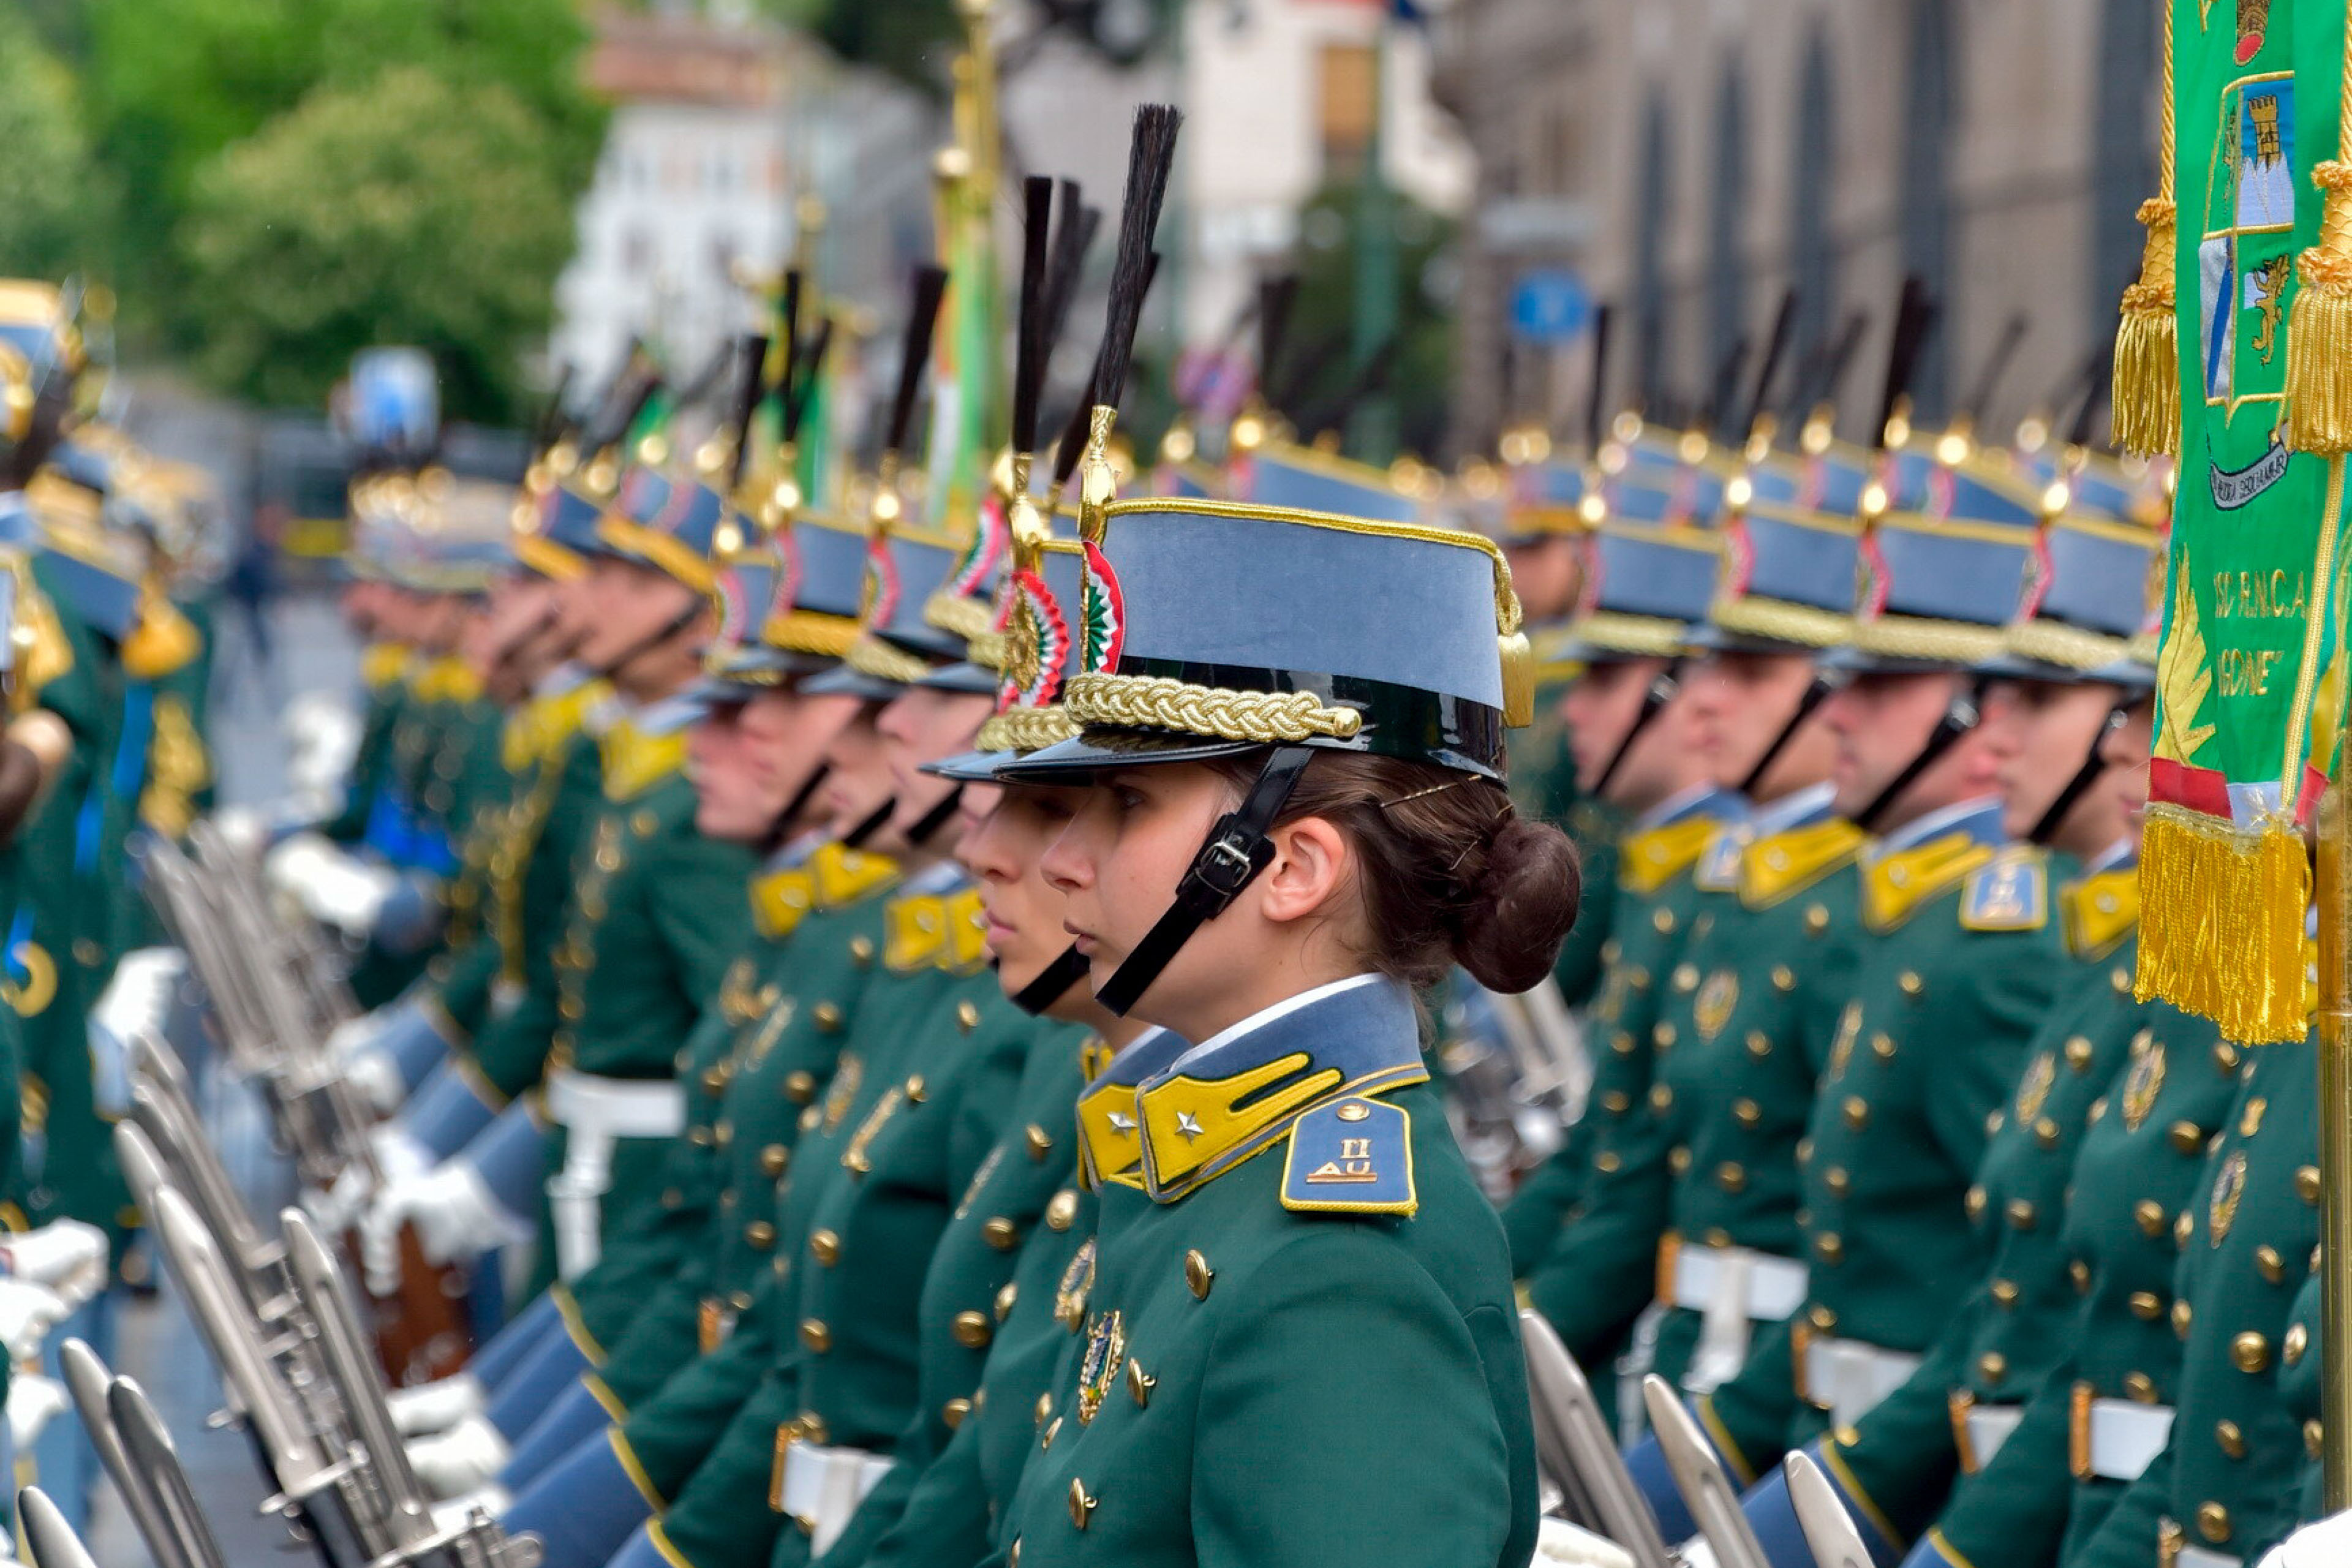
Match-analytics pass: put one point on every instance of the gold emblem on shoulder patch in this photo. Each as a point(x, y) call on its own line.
point(1716, 1000)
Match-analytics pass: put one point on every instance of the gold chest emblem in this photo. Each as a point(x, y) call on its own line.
point(1076, 1283)
point(1105, 1349)
point(2229, 1186)
point(2143, 1082)
point(1849, 1030)
point(2033, 1088)
point(842, 1094)
point(1716, 1000)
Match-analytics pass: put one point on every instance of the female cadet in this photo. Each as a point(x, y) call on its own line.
point(1311, 1358)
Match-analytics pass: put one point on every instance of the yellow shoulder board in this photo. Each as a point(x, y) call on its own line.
point(965, 951)
point(1648, 861)
point(779, 900)
point(915, 929)
point(1788, 863)
point(634, 761)
point(1896, 885)
point(844, 875)
point(2099, 912)
point(384, 663)
point(2011, 892)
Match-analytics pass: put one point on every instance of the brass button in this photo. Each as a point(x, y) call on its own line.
point(1992, 1366)
point(2212, 1521)
point(1000, 1233)
point(1663, 1037)
point(1857, 1113)
point(1039, 1142)
point(1823, 1320)
point(722, 1135)
point(1354, 1111)
point(2021, 1215)
point(1082, 1506)
point(2182, 1315)
point(1608, 1161)
point(2269, 1263)
point(1043, 1411)
point(954, 1412)
point(1662, 922)
point(916, 1090)
point(816, 1335)
point(1994, 1123)
point(1804, 1151)
point(1731, 1178)
point(1831, 1247)
point(2144, 1305)
point(861, 950)
point(1783, 978)
point(2306, 1185)
point(800, 1086)
point(1662, 1097)
point(1053, 1430)
point(971, 1330)
point(1197, 1276)
point(1913, 986)
point(2080, 1273)
point(1839, 1179)
point(2183, 1226)
point(2185, 1137)
point(1621, 1043)
point(2230, 1439)
point(827, 1016)
point(2139, 1388)
point(1974, 1203)
point(1616, 1101)
point(2297, 1341)
point(1817, 921)
point(967, 1015)
point(1005, 1299)
point(714, 1081)
point(824, 1245)
point(1746, 1111)
point(1062, 1210)
point(1686, 977)
point(1678, 1159)
point(2250, 1353)
point(773, 1159)
point(2120, 982)
point(2225, 1059)
point(760, 1235)
point(2078, 1053)
point(2314, 1439)
point(1139, 1383)
point(2004, 1293)
point(1759, 1044)
point(2149, 1216)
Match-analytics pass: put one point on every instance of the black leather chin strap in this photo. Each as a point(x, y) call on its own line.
point(857, 836)
point(2093, 766)
point(1052, 983)
point(1962, 716)
point(1653, 702)
point(781, 826)
point(1236, 850)
point(675, 627)
point(928, 825)
point(1815, 695)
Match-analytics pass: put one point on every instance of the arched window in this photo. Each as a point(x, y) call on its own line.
point(1727, 272)
point(1813, 256)
point(1923, 209)
point(2123, 149)
point(1648, 283)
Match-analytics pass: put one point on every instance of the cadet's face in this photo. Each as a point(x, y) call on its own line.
point(1004, 846)
point(2041, 733)
point(858, 781)
point(521, 605)
point(1741, 702)
point(1117, 865)
point(793, 731)
point(2126, 748)
point(920, 726)
point(1881, 722)
point(621, 606)
point(1600, 705)
point(1547, 573)
point(727, 801)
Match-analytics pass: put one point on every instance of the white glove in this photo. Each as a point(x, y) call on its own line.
point(137, 1001)
point(2326, 1545)
point(65, 1255)
point(398, 1153)
point(456, 1217)
point(460, 1459)
point(242, 829)
point(336, 1209)
point(33, 1401)
point(28, 1312)
point(322, 741)
point(377, 1077)
point(1557, 1541)
point(332, 885)
point(437, 1405)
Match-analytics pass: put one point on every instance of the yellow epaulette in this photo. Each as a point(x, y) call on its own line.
point(965, 951)
point(1649, 860)
point(384, 663)
point(634, 761)
point(521, 738)
point(164, 640)
point(2098, 911)
point(2011, 892)
point(914, 929)
point(843, 876)
point(779, 900)
point(454, 680)
point(1896, 885)
point(1786, 864)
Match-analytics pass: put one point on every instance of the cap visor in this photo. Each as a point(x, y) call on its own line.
point(962, 676)
point(1104, 748)
point(843, 682)
point(1854, 661)
point(972, 767)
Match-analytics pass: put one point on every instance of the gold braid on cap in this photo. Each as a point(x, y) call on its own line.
point(952, 612)
point(1026, 730)
point(2054, 642)
point(1158, 703)
point(872, 655)
point(1925, 638)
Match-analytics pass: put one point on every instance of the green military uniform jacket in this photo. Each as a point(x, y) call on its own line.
point(2229, 1478)
point(1745, 1025)
point(856, 1333)
point(1958, 963)
point(716, 1236)
point(1303, 1349)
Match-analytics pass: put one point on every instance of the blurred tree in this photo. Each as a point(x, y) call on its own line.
point(411, 209)
point(53, 197)
point(1317, 373)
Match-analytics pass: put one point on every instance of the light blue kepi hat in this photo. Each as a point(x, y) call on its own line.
point(1209, 629)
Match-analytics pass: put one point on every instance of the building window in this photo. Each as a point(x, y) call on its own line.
point(1349, 104)
point(636, 252)
point(2123, 150)
point(1813, 256)
point(1648, 283)
point(1726, 273)
point(1924, 209)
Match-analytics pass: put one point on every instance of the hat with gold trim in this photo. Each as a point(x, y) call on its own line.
point(1651, 565)
point(2097, 569)
point(1280, 475)
point(1791, 548)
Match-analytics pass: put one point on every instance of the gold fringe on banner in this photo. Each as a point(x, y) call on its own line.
point(2319, 330)
point(2221, 914)
point(2147, 397)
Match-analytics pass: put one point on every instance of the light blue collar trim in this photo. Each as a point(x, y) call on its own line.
point(1979, 818)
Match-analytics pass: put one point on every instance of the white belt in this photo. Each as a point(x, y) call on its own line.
point(821, 1489)
point(2205, 1557)
point(1848, 1378)
point(1732, 1289)
point(2122, 1435)
point(596, 1114)
point(1989, 1426)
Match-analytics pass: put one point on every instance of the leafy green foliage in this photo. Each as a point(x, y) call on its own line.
point(410, 209)
point(53, 197)
point(1319, 366)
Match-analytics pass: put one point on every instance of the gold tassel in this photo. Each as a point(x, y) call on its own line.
point(2148, 344)
point(1518, 680)
point(2319, 331)
point(2221, 915)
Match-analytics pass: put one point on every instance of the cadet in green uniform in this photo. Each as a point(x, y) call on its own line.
point(1957, 961)
point(1313, 1246)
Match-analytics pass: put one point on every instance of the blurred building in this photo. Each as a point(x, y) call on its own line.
point(1688, 160)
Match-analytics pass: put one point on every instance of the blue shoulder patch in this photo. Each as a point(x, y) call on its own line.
point(1718, 868)
point(2009, 892)
point(1351, 1156)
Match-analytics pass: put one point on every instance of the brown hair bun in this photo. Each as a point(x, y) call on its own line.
point(1507, 932)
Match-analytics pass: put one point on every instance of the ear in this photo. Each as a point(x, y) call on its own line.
point(1312, 860)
